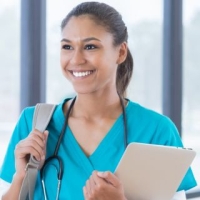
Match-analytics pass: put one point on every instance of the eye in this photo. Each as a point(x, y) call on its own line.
point(90, 47)
point(66, 47)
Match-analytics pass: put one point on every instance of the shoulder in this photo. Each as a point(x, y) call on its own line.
point(28, 112)
point(150, 126)
point(25, 118)
point(25, 121)
point(146, 114)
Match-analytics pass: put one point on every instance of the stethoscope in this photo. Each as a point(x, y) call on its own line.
point(58, 159)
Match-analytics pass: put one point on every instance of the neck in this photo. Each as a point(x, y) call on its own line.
point(97, 105)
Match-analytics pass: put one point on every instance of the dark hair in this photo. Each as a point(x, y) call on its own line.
point(108, 17)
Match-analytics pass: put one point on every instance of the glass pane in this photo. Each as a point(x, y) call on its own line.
point(145, 41)
point(191, 81)
point(9, 70)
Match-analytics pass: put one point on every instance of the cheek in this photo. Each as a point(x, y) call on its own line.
point(63, 60)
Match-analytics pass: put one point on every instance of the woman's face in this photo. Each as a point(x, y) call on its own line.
point(88, 57)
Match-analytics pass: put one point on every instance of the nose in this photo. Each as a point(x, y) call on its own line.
point(77, 58)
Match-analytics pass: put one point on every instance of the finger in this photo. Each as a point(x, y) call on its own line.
point(23, 151)
point(34, 144)
point(46, 134)
point(30, 146)
point(100, 183)
point(87, 187)
point(110, 178)
point(38, 137)
point(85, 193)
point(38, 133)
point(92, 185)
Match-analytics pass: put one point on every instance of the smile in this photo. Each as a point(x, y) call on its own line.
point(82, 74)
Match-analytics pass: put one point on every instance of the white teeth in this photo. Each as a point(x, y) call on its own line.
point(81, 74)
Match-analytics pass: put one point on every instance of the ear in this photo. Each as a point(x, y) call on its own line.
point(123, 49)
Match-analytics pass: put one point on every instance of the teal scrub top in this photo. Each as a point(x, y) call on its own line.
point(144, 126)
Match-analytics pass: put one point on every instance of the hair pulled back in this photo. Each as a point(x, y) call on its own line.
point(111, 20)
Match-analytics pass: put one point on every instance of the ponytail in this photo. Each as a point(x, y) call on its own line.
point(124, 74)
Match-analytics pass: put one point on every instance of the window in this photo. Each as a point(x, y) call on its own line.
point(191, 82)
point(9, 70)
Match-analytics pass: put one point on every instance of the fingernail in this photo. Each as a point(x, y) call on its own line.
point(100, 173)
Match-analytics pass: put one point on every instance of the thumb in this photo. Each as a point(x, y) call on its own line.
point(109, 177)
point(46, 134)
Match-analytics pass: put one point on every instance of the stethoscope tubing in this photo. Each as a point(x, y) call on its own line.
point(55, 156)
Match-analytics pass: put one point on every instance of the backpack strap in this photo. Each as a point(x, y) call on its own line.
point(41, 118)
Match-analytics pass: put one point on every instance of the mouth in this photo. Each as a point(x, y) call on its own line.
point(82, 73)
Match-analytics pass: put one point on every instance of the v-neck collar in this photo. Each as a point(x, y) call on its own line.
point(112, 133)
point(88, 161)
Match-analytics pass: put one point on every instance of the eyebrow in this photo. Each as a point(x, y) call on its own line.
point(84, 40)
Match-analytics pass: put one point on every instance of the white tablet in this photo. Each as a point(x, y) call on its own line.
point(153, 172)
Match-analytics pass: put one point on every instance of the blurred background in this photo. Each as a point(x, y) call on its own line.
point(144, 20)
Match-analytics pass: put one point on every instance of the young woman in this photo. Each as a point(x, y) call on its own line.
point(95, 58)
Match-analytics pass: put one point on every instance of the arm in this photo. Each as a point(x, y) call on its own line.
point(34, 144)
point(11, 191)
point(4, 186)
point(167, 134)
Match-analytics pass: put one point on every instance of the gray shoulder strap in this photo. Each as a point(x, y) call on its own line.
point(41, 118)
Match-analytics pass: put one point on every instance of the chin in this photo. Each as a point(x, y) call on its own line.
point(84, 90)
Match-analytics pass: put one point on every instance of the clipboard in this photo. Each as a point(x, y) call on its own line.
point(153, 172)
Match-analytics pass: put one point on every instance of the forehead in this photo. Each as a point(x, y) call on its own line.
point(84, 26)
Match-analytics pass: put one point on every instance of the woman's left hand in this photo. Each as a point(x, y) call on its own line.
point(103, 186)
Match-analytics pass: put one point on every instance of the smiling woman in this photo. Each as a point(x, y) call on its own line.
point(98, 123)
point(85, 50)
